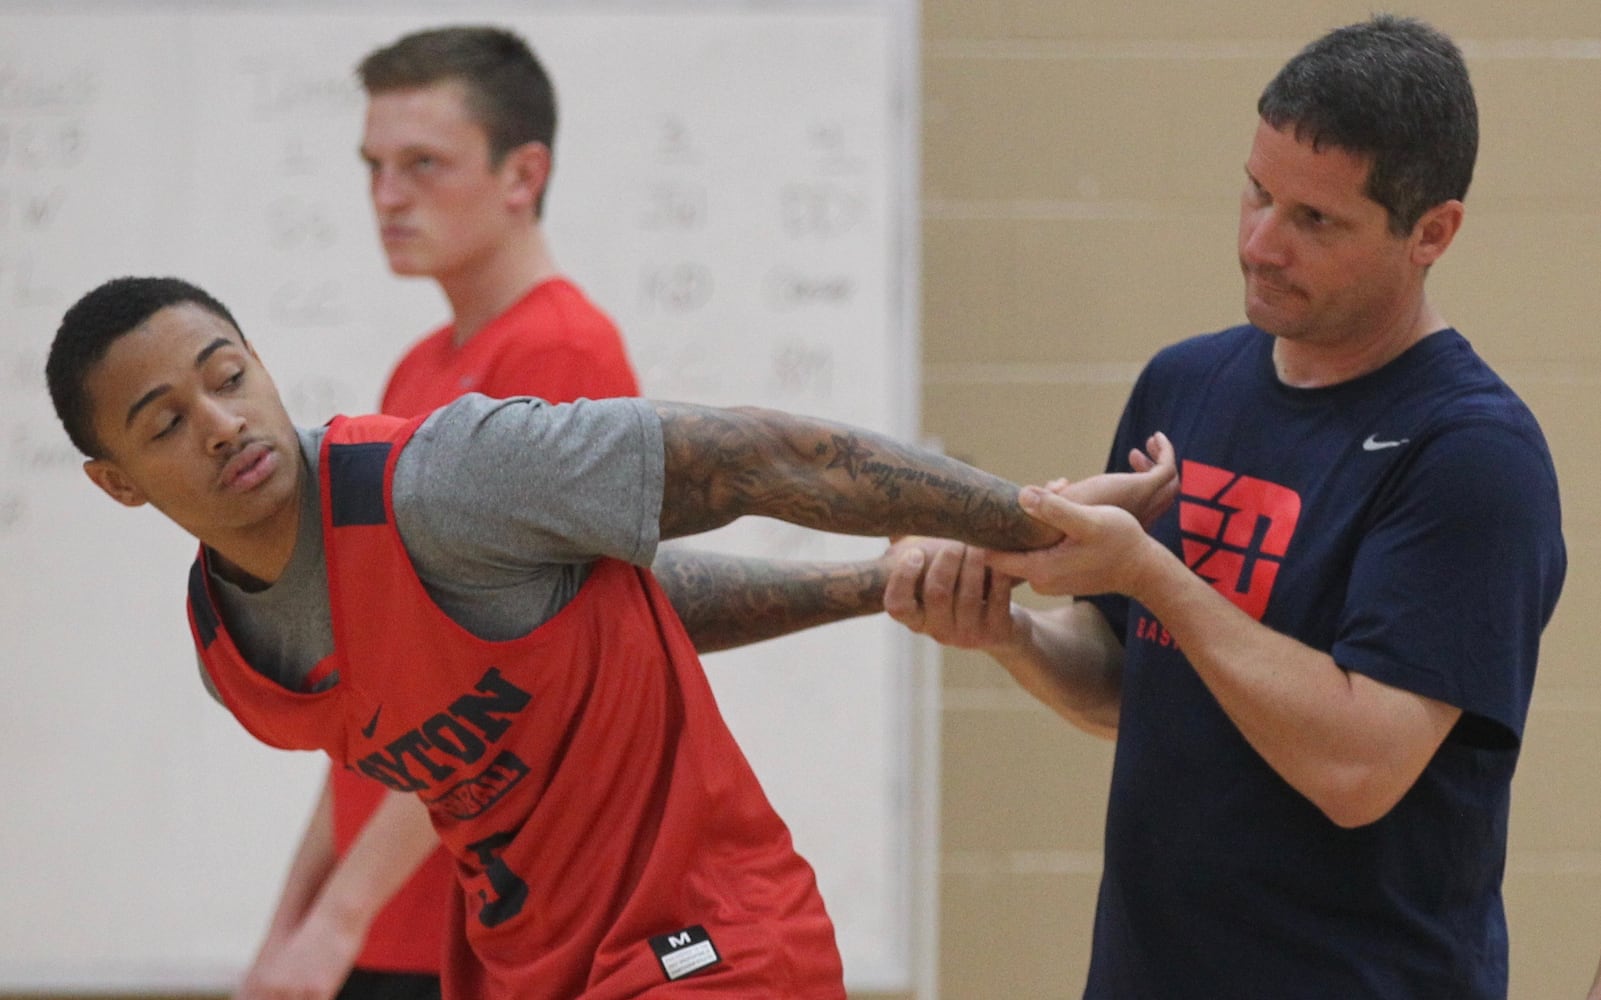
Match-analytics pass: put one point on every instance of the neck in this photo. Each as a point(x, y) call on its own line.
point(254, 557)
point(486, 288)
point(1312, 364)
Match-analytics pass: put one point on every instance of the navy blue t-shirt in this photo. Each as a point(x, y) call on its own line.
point(1407, 523)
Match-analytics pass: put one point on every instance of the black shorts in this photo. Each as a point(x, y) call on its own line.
point(365, 984)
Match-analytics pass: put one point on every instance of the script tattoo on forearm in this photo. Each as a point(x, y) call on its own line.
point(856, 459)
point(724, 464)
point(727, 601)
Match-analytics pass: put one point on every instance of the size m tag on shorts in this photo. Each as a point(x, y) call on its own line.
point(685, 952)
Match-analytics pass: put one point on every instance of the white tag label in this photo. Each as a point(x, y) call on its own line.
point(684, 952)
point(681, 963)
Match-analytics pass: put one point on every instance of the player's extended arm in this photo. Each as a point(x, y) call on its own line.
point(1067, 657)
point(726, 601)
point(722, 464)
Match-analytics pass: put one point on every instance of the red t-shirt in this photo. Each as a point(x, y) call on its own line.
point(610, 837)
point(555, 344)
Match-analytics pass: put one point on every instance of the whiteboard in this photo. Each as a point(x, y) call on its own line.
point(733, 183)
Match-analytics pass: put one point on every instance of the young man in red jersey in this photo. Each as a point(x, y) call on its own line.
point(459, 141)
point(459, 607)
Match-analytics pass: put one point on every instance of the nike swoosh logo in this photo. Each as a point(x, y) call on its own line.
point(372, 724)
point(1374, 444)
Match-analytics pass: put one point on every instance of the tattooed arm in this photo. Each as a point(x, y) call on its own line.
point(726, 601)
point(723, 464)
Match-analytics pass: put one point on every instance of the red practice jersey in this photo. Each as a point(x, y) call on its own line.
point(609, 836)
point(554, 343)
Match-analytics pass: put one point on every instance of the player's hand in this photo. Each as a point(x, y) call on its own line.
point(943, 590)
point(1147, 492)
point(1103, 549)
point(310, 963)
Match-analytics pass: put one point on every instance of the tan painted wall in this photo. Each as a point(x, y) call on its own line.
point(1082, 165)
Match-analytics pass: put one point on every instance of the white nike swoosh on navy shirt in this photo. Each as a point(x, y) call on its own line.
point(1374, 444)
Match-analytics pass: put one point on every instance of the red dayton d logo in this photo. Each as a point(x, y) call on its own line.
point(1235, 532)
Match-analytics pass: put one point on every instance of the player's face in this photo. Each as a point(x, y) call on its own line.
point(192, 424)
point(442, 208)
point(1321, 265)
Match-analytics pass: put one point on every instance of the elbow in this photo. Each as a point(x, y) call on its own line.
point(1355, 816)
point(1355, 796)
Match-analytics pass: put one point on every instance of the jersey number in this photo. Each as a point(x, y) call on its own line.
point(507, 893)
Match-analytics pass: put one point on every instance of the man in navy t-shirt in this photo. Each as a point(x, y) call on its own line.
point(1316, 664)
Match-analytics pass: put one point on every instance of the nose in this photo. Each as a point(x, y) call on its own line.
point(1262, 241)
point(387, 190)
point(222, 424)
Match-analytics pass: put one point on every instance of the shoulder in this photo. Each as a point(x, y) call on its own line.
point(1479, 465)
point(1216, 344)
point(1207, 350)
point(1466, 399)
point(554, 317)
point(556, 344)
point(1492, 474)
point(519, 475)
point(557, 308)
point(474, 423)
point(416, 369)
point(1178, 373)
point(426, 348)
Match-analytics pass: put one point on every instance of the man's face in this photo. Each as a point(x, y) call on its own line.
point(191, 423)
point(1321, 265)
point(440, 205)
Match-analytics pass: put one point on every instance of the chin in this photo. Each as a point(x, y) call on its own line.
point(404, 260)
point(407, 268)
point(1267, 320)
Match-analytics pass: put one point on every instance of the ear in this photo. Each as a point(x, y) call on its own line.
point(526, 170)
point(114, 482)
point(1434, 232)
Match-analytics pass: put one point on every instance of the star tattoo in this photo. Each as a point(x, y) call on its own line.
point(848, 454)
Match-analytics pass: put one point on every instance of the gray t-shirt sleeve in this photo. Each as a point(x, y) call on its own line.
point(489, 490)
point(503, 506)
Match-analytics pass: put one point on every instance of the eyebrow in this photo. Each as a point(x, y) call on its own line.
point(1326, 213)
point(160, 390)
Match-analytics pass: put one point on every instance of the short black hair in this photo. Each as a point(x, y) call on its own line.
point(1393, 89)
point(92, 325)
point(508, 91)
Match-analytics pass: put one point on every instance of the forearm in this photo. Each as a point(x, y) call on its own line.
point(724, 464)
point(1351, 745)
point(391, 845)
point(1069, 659)
point(727, 601)
point(314, 858)
point(329, 903)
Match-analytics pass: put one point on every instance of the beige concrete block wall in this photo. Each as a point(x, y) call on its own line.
point(1082, 163)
